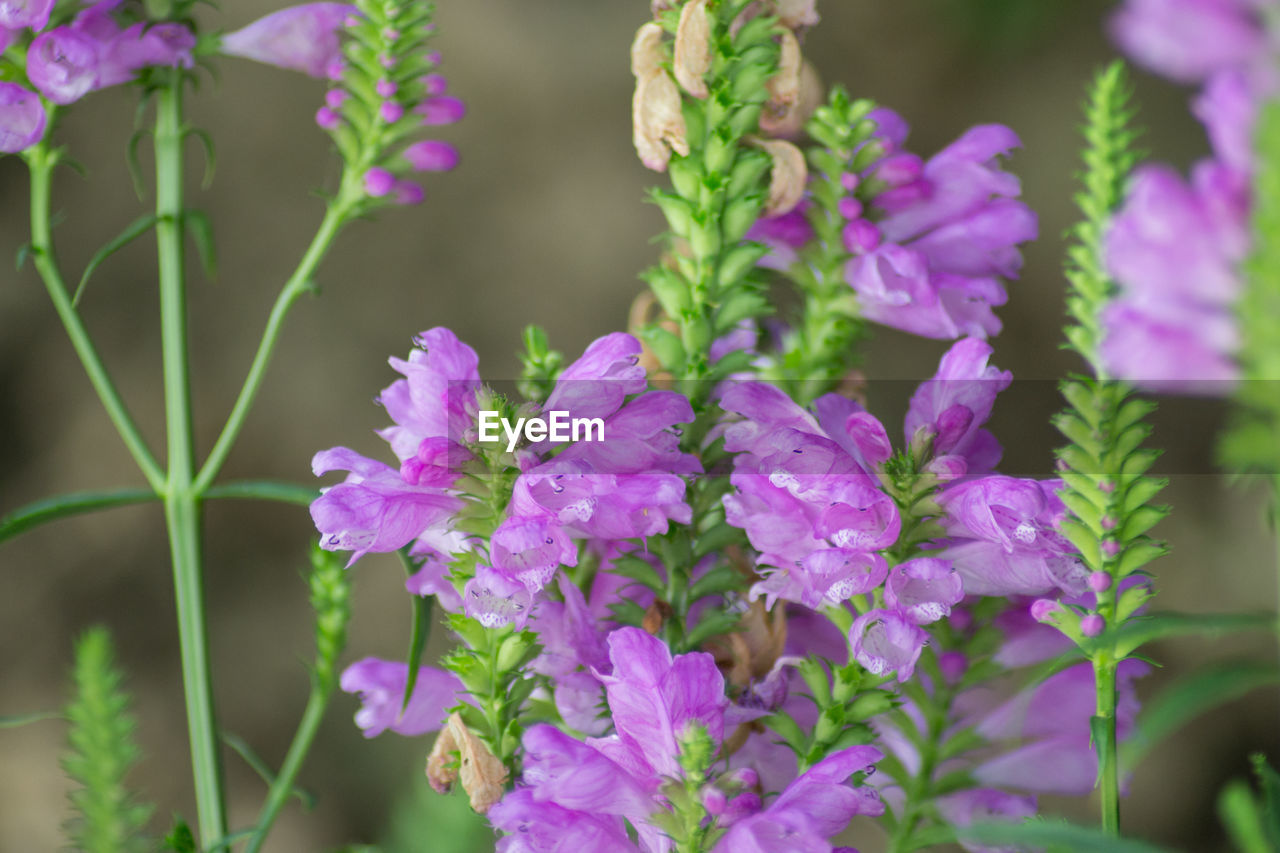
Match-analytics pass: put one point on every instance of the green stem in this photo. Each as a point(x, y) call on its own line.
point(919, 791)
point(282, 787)
point(182, 501)
point(1104, 672)
point(335, 217)
point(40, 161)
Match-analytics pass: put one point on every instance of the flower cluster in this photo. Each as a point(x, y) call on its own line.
point(386, 88)
point(929, 240)
point(1175, 247)
point(101, 45)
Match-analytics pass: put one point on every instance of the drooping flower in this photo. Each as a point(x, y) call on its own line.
point(956, 402)
point(21, 14)
point(885, 641)
point(301, 38)
point(380, 685)
point(924, 589)
point(1190, 40)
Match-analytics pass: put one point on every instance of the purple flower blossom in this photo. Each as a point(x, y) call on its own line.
point(63, 64)
point(432, 579)
point(542, 826)
point(957, 402)
point(924, 590)
point(1175, 251)
point(380, 685)
point(1003, 537)
point(22, 118)
point(886, 641)
point(374, 509)
point(950, 228)
point(20, 14)
point(979, 805)
point(494, 599)
point(301, 38)
point(1190, 40)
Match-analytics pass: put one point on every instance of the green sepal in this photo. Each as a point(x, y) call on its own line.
point(1136, 555)
point(713, 624)
point(640, 571)
point(719, 580)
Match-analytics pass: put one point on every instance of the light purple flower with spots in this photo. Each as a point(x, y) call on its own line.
point(886, 641)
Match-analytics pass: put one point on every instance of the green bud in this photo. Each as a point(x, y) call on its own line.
point(670, 289)
point(738, 261)
point(739, 215)
point(514, 650)
point(828, 726)
point(666, 347)
point(684, 176)
point(719, 152)
point(697, 749)
point(745, 119)
point(675, 209)
point(704, 238)
point(748, 84)
point(740, 304)
point(870, 705)
point(696, 335)
point(748, 173)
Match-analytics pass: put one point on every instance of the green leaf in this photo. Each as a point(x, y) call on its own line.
point(179, 839)
point(1159, 626)
point(1269, 780)
point(13, 721)
point(200, 227)
point(422, 606)
point(132, 231)
point(210, 156)
point(1140, 491)
point(267, 490)
point(713, 624)
point(26, 517)
point(265, 773)
point(716, 582)
point(640, 571)
point(1053, 835)
point(1189, 697)
point(1136, 555)
point(1243, 819)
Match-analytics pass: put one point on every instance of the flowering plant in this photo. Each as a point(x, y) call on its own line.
point(700, 594)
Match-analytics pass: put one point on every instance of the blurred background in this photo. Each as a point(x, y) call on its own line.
point(543, 222)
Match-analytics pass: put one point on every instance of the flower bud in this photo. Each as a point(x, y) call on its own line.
point(302, 38)
point(1092, 625)
point(431, 155)
point(1099, 581)
point(441, 109)
point(693, 48)
point(1044, 609)
point(378, 182)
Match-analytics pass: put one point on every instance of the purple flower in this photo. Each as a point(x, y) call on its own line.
point(1050, 724)
point(437, 397)
point(432, 579)
point(804, 485)
point(826, 577)
point(654, 698)
point(886, 641)
point(813, 808)
point(1174, 248)
point(542, 826)
point(302, 38)
point(957, 402)
point(979, 805)
point(1003, 537)
point(374, 509)
point(20, 14)
point(950, 229)
point(924, 590)
point(494, 599)
point(22, 118)
point(63, 64)
point(380, 685)
point(530, 549)
point(1189, 40)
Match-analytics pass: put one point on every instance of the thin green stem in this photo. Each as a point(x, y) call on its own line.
point(919, 790)
point(182, 501)
point(337, 214)
point(1104, 673)
point(41, 161)
point(282, 787)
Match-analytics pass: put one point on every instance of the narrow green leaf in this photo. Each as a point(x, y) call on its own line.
point(714, 582)
point(132, 231)
point(1053, 834)
point(210, 156)
point(267, 490)
point(640, 571)
point(61, 506)
point(200, 227)
point(13, 721)
point(265, 773)
point(1188, 698)
point(422, 606)
point(1158, 626)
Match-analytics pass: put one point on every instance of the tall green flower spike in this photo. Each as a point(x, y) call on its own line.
point(1104, 467)
point(109, 818)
